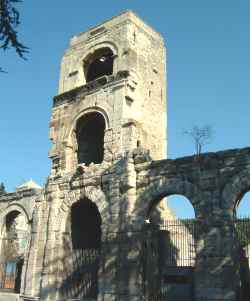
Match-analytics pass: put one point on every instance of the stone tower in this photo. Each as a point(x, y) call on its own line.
point(110, 106)
point(112, 95)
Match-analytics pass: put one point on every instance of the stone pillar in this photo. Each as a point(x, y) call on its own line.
point(33, 266)
point(51, 260)
point(215, 270)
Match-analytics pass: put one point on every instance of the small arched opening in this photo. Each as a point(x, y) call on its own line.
point(85, 243)
point(98, 64)
point(242, 227)
point(174, 221)
point(14, 244)
point(90, 138)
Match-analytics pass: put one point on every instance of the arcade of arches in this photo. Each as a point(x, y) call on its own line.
point(107, 242)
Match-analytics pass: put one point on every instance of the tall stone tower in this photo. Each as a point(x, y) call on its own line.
point(112, 95)
point(110, 106)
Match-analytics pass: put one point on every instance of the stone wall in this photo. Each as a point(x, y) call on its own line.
point(125, 193)
point(214, 183)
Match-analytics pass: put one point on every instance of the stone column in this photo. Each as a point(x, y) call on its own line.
point(34, 263)
point(215, 270)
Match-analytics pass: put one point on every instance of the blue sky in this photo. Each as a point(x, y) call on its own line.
point(208, 74)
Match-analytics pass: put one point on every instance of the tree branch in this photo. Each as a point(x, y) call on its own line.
point(9, 21)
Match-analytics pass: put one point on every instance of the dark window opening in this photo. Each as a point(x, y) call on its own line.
point(10, 223)
point(85, 225)
point(99, 64)
point(19, 267)
point(90, 138)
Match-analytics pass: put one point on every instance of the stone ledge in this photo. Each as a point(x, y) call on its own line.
point(90, 87)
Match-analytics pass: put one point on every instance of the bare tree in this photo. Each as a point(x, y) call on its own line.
point(201, 136)
point(9, 22)
point(2, 188)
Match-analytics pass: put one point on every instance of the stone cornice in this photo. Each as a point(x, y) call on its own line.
point(89, 88)
point(8, 197)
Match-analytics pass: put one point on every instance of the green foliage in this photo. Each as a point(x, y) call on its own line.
point(9, 22)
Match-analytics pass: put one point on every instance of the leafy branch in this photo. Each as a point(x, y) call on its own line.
point(9, 22)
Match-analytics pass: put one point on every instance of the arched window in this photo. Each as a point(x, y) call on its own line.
point(100, 63)
point(14, 245)
point(90, 138)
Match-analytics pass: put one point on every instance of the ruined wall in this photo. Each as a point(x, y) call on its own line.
point(125, 193)
point(214, 184)
point(127, 185)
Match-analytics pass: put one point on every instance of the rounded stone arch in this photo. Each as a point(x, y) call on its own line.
point(70, 140)
point(163, 187)
point(234, 190)
point(89, 110)
point(94, 194)
point(91, 50)
point(70, 245)
point(14, 207)
point(70, 131)
point(21, 259)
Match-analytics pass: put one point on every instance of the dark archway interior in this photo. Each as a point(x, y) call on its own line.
point(10, 222)
point(99, 64)
point(85, 225)
point(81, 279)
point(19, 267)
point(11, 254)
point(90, 138)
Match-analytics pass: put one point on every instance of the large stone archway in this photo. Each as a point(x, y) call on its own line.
point(95, 194)
point(164, 187)
point(59, 257)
